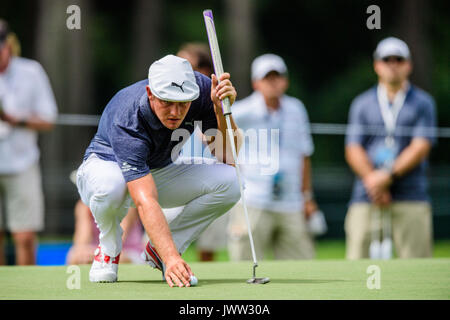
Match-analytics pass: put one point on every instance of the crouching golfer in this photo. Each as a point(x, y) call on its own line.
point(132, 160)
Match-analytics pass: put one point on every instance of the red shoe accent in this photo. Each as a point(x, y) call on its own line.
point(98, 257)
point(154, 256)
point(106, 258)
point(116, 259)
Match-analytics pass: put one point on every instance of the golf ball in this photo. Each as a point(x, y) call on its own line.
point(194, 280)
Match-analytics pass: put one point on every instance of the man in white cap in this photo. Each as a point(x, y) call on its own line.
point(278, 189)
point(390, 161)
point(133, 160)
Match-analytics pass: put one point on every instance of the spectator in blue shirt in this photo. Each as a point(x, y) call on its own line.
point(390, 134)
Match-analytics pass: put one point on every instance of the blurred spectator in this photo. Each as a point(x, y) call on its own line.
point(390, 162)
point(27, 106)
point(198, 54)
point(214, 237)
point(280, 202)
point(85, 238)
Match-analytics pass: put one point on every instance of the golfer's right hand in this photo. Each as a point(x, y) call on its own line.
point(178, 272)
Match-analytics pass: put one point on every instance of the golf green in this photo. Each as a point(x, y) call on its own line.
point(289, 280)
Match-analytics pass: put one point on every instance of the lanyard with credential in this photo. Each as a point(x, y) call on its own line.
point(276, 121)
point(390, 114)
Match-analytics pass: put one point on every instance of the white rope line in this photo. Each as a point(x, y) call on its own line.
point(78, 120)
point(316, 128)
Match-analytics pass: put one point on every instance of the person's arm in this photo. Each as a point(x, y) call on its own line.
point(222, 148)
point(43, 110)
point(358, 160)
point(411, 157)
point(407, 160)
point(310, 205)
point(128, 222)
point(83, 224)
point(423, 136)
point(144, 194)
point(33, 123)
point(82, 250)
point(357, 157)
point(377, 181)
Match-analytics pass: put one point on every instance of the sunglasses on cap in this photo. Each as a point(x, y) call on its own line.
point(397, 59)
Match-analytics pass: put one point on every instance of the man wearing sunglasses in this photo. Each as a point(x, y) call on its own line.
point(390, 134)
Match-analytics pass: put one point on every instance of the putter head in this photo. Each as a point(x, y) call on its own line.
point(258, 280)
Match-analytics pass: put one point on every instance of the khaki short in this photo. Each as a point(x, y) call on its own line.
point(284, 234)
point(22, 198)
point(411, 229)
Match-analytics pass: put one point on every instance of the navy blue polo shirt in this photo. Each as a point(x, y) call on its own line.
point(133, 136)
point(417, 118)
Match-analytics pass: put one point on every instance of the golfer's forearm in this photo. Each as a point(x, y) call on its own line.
point(358, 160)
point(156, 226)
point(411, 156)
point(223, 150)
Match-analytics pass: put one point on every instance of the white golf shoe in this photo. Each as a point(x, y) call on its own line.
point(104, 268)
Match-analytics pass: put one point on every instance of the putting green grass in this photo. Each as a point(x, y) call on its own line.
point(317, 279)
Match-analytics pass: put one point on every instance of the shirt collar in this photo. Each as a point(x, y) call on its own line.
point(147, 112)
point(9, 67)
point(260, 106)
point(401, 94)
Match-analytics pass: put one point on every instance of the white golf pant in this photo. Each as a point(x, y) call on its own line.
point(205, 191)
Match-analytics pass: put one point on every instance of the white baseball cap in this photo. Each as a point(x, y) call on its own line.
point(266, 63)
point(171, 78)
point(391, 47)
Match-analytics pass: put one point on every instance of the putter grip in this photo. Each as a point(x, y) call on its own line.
point(226, 107)
point(215, 53)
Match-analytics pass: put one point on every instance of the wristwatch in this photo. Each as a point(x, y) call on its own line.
point(21, 123)
point(393, 175)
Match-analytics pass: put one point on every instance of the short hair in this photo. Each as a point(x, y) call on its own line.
point(4, 30)
point(14, 42)
point(201, 51)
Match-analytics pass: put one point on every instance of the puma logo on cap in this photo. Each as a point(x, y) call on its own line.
point(177, 85)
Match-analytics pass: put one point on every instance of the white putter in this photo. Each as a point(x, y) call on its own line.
point(226, 108)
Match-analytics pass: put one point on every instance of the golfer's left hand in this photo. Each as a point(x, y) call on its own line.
point(220, 91)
